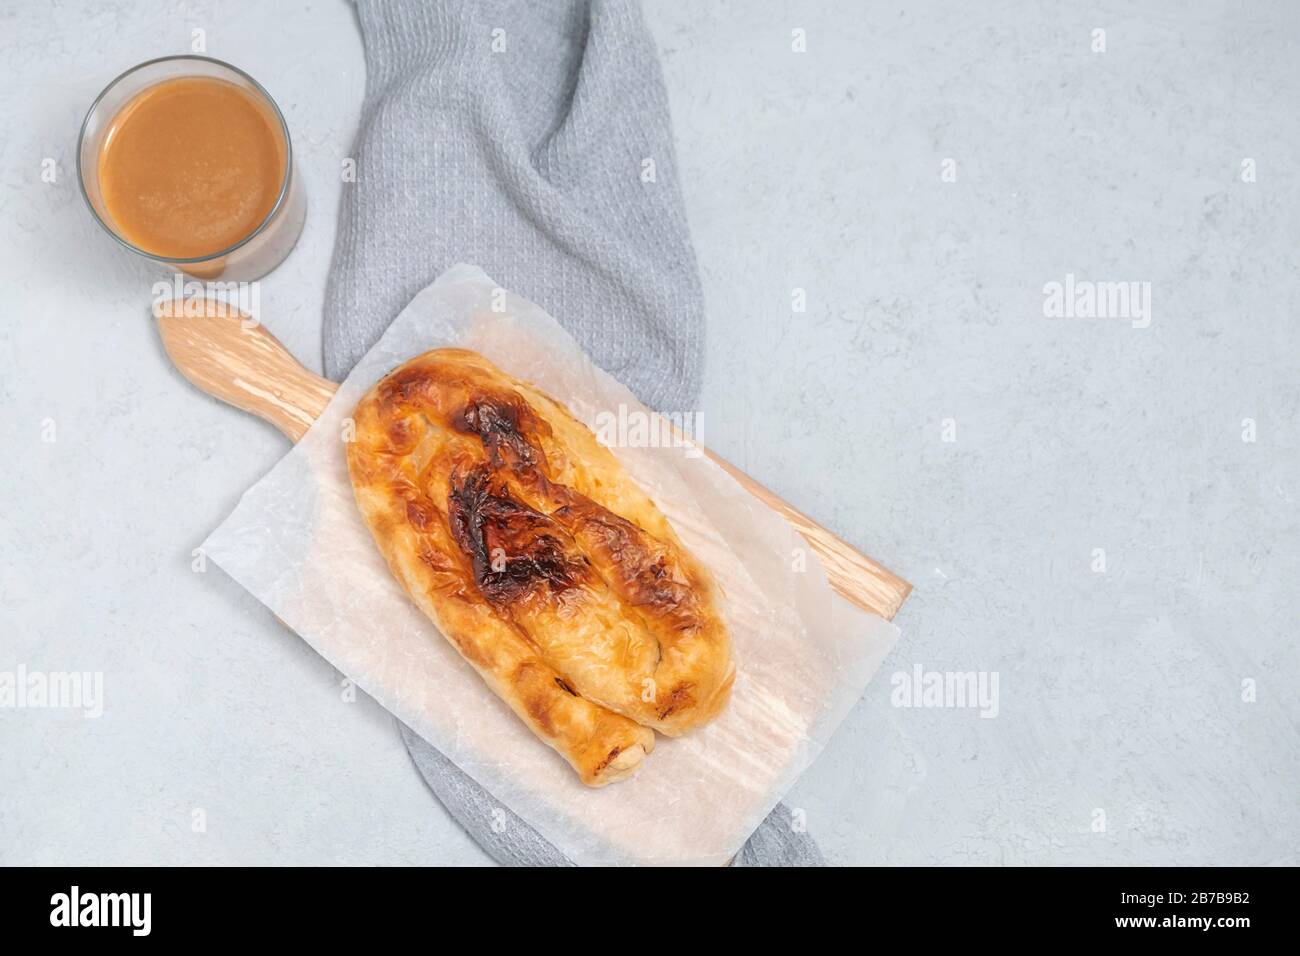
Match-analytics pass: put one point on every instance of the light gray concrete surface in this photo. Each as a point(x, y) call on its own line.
point(1120, 691)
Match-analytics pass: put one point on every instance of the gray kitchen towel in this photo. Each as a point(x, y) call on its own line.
point(530, 138)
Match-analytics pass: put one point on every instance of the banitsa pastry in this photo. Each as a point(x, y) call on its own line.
point(551, 572)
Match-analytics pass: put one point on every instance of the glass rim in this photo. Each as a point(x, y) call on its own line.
point(261, 227)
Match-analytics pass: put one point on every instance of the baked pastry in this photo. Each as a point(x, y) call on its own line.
point(535, 554)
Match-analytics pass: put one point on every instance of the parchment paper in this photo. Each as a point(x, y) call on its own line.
point(804, 656)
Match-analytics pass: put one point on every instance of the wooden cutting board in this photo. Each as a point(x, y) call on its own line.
point(229, 356)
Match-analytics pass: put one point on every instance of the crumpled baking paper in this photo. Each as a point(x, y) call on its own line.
point(803, 655)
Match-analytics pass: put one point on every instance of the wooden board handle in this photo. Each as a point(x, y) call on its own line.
point(232, 357)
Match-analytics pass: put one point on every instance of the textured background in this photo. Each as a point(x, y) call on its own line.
point(1119, 691)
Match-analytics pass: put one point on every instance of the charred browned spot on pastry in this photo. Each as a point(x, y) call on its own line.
point(420, 515)
point(500, 422)
point(436, 560)
point(680, 697)
point(608, 759)
point(643, 574)
point(399, 433)
point(654, 586)
point(404, 386)
point(567, 689)
point(512, 549)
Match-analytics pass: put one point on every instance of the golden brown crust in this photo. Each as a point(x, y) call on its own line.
point(550, 571)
